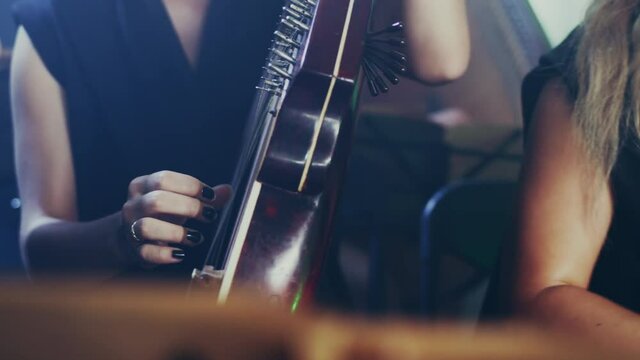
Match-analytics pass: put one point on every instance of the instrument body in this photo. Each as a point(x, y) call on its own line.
point(283, 222)
point(70, 320)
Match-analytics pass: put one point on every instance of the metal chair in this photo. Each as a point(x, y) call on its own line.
point(463, 227)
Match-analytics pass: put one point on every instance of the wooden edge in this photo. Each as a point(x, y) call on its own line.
point(75, 320)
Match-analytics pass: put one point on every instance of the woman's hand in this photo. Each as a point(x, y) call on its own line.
point(158, 207)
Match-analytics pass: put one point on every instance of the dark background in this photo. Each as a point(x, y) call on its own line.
point(7, 27)
point(9, 254)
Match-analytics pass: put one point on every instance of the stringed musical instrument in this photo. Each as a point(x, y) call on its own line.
point(273, 234)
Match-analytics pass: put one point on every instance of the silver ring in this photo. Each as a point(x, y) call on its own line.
point(133, 232)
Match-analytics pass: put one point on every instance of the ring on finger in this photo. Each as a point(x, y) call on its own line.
point(132, 231)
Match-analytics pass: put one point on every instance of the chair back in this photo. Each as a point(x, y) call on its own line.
point(463, 228)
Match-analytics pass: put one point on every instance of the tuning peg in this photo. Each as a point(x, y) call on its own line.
point(397, 68)
point(391, 29)
point(271, 66)
point(391, 54)
point(284, 56)
point(387, 73)
point(376, 77)
point(286, 39)
point(299, 23)
point(373, 88)
point(300, 4)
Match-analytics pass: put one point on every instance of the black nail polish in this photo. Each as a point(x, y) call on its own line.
point(209, 213)
point(208, 193)
point(195, 237)
point(178, 254)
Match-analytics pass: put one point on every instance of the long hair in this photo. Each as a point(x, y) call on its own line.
point(608, 74)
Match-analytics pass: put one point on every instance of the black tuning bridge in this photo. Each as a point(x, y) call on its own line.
point(384, 58)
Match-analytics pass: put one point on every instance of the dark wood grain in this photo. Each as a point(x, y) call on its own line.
point(290, 230)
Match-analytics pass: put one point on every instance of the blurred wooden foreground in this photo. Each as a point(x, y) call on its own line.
point(133, 321)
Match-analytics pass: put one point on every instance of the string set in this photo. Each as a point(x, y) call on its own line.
point(281, 61)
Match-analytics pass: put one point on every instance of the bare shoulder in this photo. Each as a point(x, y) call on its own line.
point(554, 102)
point(34, 91)
point(552, 128)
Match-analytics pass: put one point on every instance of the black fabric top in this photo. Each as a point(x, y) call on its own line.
point(135, 105)
point(617, 272)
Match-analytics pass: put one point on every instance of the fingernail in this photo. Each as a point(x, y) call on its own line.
point(195, 237)
point(178, 254)
point(209, 213)
point(208, 193)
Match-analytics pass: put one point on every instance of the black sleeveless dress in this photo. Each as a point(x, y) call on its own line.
point(135, 105)
point(617, 272)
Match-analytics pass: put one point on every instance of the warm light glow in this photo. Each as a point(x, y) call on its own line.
point(279, 277)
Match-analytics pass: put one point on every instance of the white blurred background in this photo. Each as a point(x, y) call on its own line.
point(559, 17)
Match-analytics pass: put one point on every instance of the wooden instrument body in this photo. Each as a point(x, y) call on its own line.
point(142, 321)
point(285, 225)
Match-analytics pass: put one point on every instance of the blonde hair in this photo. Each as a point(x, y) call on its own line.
point(608, 75)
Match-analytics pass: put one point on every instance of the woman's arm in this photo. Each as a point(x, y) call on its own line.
point(562, 227)
point(45, 172)
point(51, 237)
point(438, 36)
